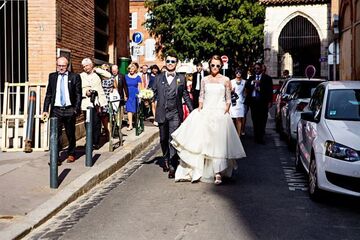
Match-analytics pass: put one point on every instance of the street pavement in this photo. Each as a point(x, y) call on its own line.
point(25, 194)
point(267, 199)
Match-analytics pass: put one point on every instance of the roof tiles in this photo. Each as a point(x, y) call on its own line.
point(291, 2)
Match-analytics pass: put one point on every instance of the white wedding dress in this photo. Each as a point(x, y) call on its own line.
point(207, 142)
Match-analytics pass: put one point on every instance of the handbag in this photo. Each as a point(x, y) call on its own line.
point(114, 99)
point(234, 97)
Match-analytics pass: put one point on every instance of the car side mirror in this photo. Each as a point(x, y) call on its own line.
point(317, 115)
point(285, 97)
point(308, 116)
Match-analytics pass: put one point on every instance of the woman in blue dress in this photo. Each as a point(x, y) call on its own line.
point(133, 81)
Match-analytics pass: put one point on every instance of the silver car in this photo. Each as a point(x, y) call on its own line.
point(291, 111)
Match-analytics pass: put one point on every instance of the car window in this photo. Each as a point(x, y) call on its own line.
point(317, 98)
point(292, 87)
point(343, 104)
point(305, 89)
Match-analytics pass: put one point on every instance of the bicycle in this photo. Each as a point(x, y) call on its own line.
point(116, 114)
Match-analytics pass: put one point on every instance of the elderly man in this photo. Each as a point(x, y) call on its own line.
point(120, 83)
point(63, 93)
point(93, 96)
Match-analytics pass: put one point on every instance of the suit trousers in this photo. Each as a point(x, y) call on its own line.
point(259, 115)
point(196, 95)
point(66, 117)
point(166, 129)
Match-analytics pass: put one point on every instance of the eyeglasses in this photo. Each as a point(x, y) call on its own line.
point(171, 61)
point(62, 65)
point(213, 65)
point(256, 67)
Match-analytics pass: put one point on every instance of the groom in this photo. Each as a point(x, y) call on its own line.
point(170, 88)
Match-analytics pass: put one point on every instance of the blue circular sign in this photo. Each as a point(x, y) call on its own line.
point(137, 37)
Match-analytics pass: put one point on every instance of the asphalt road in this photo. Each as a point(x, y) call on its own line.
point(268, 200)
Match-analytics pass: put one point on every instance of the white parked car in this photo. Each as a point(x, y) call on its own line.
point(328, 144)
point(290, 112)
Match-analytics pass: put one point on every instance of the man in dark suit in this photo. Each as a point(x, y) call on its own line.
point(63, 93)
point(196, 83)
point(120, 83)
point(170, 88)
point(259, 98)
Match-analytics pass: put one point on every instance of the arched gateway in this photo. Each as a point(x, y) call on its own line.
point(299, 46)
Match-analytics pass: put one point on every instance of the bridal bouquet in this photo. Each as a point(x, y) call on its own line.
point(146, 94)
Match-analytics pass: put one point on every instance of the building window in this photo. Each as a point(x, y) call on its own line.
point(150, 49)
point(133, 20)
point(101, 30)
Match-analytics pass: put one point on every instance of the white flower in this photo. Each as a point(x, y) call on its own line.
point(146, 94)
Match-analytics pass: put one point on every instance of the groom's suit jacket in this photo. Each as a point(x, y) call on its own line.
point(160, 86)
point(74, 85)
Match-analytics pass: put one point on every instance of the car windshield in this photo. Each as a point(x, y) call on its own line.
point(305, 89)
point(343, 104)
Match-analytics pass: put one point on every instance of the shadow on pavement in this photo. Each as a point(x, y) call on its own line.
point(63, 175)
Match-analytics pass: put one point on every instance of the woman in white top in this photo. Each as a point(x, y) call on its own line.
point(207, 142)
point(237, 109)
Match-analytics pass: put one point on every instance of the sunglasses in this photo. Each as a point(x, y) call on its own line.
point(170, 61)
point(213, 65)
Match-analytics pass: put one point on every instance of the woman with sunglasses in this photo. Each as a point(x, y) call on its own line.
point(215, 145)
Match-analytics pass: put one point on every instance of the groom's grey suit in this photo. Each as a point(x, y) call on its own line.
point(169, 112)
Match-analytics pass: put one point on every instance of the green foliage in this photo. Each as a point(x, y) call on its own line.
point(197, 29)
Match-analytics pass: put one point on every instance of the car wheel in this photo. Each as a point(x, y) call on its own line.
point(314, 191)
point(298, 164)
point(278, 124)
point(290, 141)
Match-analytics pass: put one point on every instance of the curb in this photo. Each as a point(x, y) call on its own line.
point(76, 188)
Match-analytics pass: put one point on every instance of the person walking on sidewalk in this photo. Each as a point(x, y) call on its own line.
point(63, 93)
point(259, 97)
point(196, 83)
point(93, 96)
point(169, 89)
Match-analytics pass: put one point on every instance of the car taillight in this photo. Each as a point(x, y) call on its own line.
point(300, 107)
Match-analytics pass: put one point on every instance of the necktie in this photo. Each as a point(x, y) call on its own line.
point(257, 86)
point(171, 74)
point(62, 91)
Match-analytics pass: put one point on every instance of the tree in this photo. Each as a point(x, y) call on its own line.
point(197, 29)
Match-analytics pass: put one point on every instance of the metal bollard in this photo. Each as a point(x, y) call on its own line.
point(54, 153)
point(30, 122)
point(89, 142)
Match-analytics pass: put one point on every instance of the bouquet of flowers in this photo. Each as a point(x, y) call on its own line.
point(146, 94)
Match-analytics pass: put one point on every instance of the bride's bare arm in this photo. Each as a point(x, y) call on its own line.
point(227, 94)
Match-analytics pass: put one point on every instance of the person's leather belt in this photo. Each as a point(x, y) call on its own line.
point(63, 108)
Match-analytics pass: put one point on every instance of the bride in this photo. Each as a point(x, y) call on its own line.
point(207, 142)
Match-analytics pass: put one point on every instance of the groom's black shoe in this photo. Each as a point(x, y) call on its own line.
point(171, 173)
point(166, 166)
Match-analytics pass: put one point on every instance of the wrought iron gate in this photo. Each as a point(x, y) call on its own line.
point(13, 49)
point(301, 40)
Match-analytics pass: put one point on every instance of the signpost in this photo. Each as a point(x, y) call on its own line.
point(225, 61)
point(137, 37)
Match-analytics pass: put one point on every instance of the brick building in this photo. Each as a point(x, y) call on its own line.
point(144, 52)
point(34, 32)
point(349, 17)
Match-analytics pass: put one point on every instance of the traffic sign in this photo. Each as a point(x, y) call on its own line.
point(224, 58)
point(137, 37)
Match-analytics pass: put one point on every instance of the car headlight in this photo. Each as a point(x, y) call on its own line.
point(339, 151)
